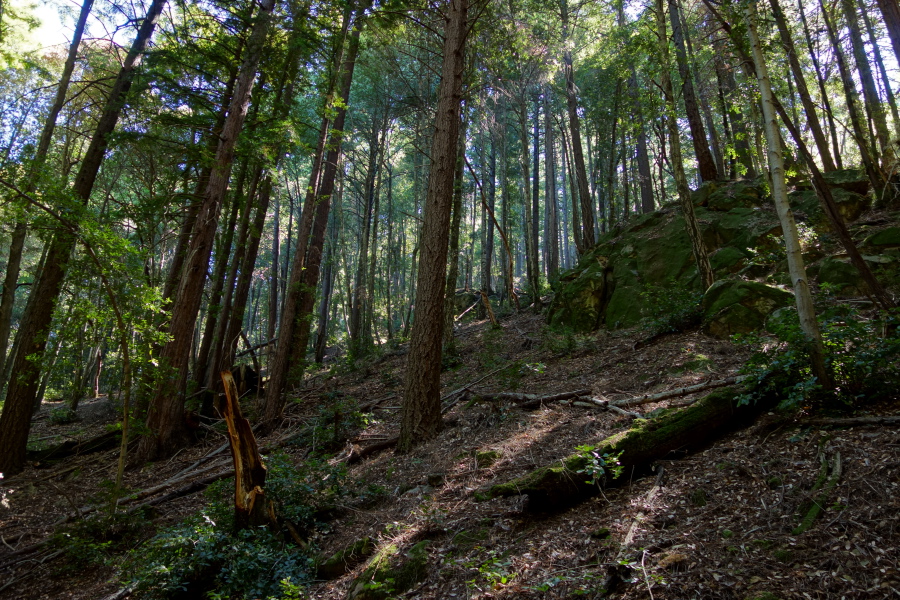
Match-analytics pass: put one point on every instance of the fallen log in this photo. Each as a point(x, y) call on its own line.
point(700, 387)
point(104, 441)
point(566, 483)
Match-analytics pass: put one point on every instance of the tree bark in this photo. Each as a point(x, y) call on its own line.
point(35, 324)
point(705, 163)
point(300, 298)
point(809, 108)
point(860, 132)
point(864, 69)
point(890, 10)
point(577, 163)
point(552, 210)
point(421, 415)
point(879, 60)
point(684, 193)
point(448, 340)
point(20, 232)
point(805, 308)
point(165, 421)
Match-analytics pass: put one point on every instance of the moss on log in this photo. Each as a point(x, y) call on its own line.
point(687, 429)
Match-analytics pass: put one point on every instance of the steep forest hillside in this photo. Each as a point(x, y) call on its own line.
point(375, 299)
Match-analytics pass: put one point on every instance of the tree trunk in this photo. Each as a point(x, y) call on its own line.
point(890, 10)
point(809, 108)
point(805, 308)
point(820, 81)
point(165, 420)
point(873, 170)
point(35, 323)
point(684, 193)
point(421, 415)
point(20, 232)
point(552, 211)
point(573, 194)
point(448, 340)
point(864, 69)
point(577, 163)
point(879, 60)
point(705, 163)
point(294, 329)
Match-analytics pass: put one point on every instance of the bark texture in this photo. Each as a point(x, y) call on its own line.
point(421, 415)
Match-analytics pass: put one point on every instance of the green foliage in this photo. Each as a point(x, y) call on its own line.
point(62, 415)
point(205, 553)
point(495, 569)
point(863, 363)
point(597, 466)
point(670, 308)
point(95, 539)
point(335, 421)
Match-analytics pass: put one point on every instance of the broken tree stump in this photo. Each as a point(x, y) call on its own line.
point(251, 507)
point(566, 483)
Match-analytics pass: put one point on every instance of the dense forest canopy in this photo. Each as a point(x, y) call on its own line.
point(210, 182)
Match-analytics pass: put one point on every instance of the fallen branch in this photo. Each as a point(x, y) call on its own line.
point(700, 387)
point(529, 400)
point(854, 421)
point(639, 518)
point(821, 500)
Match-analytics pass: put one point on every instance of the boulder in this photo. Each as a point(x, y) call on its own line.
point(852, 180)
point(849, 203)
point(735, 306)
point(839, 273)
point(583, 295)
point(886, 238)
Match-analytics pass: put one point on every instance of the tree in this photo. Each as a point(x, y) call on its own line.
point(33, 329)
point(421, 414)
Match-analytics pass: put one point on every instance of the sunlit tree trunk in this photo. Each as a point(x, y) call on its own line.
point(805, 308)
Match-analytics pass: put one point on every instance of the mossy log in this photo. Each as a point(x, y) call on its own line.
point(685, 430)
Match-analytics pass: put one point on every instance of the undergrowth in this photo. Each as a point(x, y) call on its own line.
point(670, 308)
point(863, 363)
point(204, 557)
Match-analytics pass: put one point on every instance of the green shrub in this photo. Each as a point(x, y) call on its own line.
point(204, 553)
point(863, 364)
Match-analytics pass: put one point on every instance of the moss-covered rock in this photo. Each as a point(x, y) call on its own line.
point(886, 238)
point(737, 194)
point(729, 259)
point(560, 485)
point(583, 295)
point(839, 273)
point(852, 180)
point(390, 573)
point(850, 205)
point(735, 306)
point(344, 560)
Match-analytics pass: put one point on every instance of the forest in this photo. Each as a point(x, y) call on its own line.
point(375, 299)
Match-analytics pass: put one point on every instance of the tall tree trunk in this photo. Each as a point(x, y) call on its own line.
point(879, 60)
point(890, 10)
point(864, 69)
point(535, 202)
point(805, 308)
point(573, 193)
point(35, 323)
point(165, 421)
point(551, 240)
point(294, 329)
point(820, 81)
point(327, 291)
point(740, 135)
point(873, 170)
point(684, 193)
point(809, 108)
point(421, 414)
point(20, 232)
point(528, 224)
point(448, 340)
point(705, 163)
point(577, 164)
point(272, 323)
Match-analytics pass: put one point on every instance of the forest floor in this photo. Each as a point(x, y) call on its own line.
point(714, 524)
